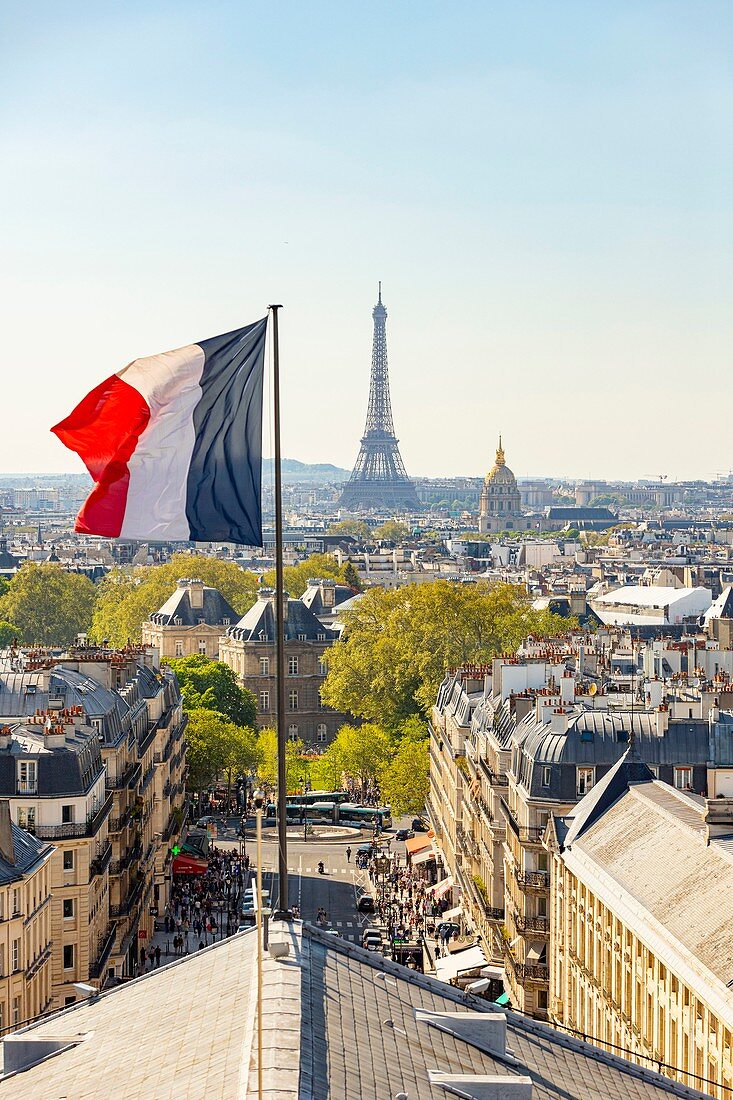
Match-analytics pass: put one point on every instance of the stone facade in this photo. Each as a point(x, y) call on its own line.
point(500, 508)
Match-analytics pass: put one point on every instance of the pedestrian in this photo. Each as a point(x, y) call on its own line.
point(348, 854)
point(158, 953)
point(143, 957)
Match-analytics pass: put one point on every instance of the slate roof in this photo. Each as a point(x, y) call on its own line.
point(69, 770)
point(28, 850)
point(648, 852)
point(584, 514)
point(258, 624)
point(722, 608)
point(313, 598)
point(178, 606)
point(338, 1023)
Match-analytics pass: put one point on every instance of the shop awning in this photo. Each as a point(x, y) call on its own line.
point(189, 865)
point(502, 1000)
point(416, 844)
point(441, 887)
point(537, 953)
point(458, 962)
point(452, 914)
point(423, 857)
point(496, 973)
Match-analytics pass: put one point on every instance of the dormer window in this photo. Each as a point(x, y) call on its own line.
point(302, 637)
point(27, 777)
point(177, 621)
point(225, 622)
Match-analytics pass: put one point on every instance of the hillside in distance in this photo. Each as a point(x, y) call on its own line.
point(295, 471)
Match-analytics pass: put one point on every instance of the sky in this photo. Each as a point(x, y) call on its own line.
point(543, 187)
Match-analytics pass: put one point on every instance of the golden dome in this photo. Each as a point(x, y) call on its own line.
point(499, 471)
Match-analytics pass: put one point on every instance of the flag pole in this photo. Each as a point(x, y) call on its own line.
point(282, 790)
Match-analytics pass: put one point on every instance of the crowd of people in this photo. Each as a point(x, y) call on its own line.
point(405, 901)
point(202, 908)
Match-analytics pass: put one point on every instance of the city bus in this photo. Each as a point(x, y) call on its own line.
point(318, 813)
point(351, 814)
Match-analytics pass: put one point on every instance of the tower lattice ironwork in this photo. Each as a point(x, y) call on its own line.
point(379, 478)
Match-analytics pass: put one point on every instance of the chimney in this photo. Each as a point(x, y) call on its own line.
point(662, 713)
point(6, 736)
point(7, 852)
point(718, 818)
point(196, 594)
point(567, 688)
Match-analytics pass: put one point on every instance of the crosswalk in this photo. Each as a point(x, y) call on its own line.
point(346, 871)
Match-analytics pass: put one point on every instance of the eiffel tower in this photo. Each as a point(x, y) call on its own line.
point(379, 479)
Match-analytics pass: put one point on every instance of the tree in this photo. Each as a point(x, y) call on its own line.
point(296, 577)
point(405, 781)
point(217, 748)
point(354, 527)
point(399, 643)
point(295, 764)
point(127, 598)
point(362, 751)
point(326, 771)
point(50, 605)
point(213, 686)
point(8, 634)
point(391, 531)
point(351, 576)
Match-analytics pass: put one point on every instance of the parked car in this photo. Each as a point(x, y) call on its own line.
point(372, 941)
point(365, 904)
point(419, 825)
point(404, 834)
point(448, 928)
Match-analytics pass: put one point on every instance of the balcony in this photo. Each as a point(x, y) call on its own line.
point(128, 778)
point(105, 943)
point(525, 834)
point(494, 778)
point(533, 880)
point(119, 911)
point(73, 829)
point(101, 862)
point(539, 925)
point(132, 854)
point(526, 972)
point(117, 824)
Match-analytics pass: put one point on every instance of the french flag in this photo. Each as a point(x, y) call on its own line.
point(174, 444)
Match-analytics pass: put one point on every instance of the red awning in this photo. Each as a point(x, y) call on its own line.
point(189, 865)
point(416, 844)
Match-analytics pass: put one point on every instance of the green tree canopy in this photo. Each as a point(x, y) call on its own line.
point(405, 781)
point(217, 748)
point(354, 527)
point(296, 766)
point(398, 643)
point(213, 686)
point(297, 576)
point(361, 751)
point(351, 576)
point(8, 633)
point(326, 771)
point(391, 531)
point(49, 605)
point(128, 597)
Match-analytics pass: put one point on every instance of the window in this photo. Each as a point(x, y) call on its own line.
point(654, 769)
point(293, 700)
point(683, 779)
point(16, 954)
point(69, 1001)
point(321, 704)
point(69, 860)
point(68, 908)
point(67, 814)
point(2, 1015)
point(320, 637)
point(202, 646)
point(322, 732)
point(16, 1010)
point(16, 902)
point(293, 732)
point(27, 777)
point(225, 622)
point(586, 778)
point(68, 956)
point(27, 818)
point(302, 637)
point(292, 666)
point(542, 1000)
point(546, 776)
point(264, 666)
point(322, 668)
point(179, 647)
point(2, 960)
point(264, 700)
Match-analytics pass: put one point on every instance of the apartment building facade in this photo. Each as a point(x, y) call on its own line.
point(190, 622)
point(514, 744)
point(25, 923)
point(641, 925)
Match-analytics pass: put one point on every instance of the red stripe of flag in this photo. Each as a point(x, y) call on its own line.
point(104, 430)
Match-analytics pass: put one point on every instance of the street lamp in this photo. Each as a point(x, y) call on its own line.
point(258, 800)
